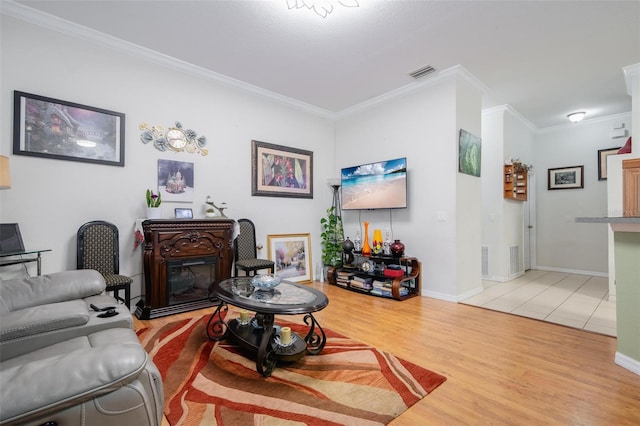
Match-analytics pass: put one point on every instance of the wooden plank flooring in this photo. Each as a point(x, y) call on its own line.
point(500, 368)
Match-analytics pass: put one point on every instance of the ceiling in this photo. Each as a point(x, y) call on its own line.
point(543, 58)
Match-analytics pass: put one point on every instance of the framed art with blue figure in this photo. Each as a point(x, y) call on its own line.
point(280, 171)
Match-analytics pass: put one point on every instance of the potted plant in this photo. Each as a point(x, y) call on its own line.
point(332, 238)
point(153, 205)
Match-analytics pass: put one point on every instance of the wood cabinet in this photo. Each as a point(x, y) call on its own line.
point(376, 280)
point(515, 183)
point(631, 187)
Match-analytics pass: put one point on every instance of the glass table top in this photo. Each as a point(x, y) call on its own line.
point(286, 298)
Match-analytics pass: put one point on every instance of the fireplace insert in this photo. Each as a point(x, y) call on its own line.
point(189, 279)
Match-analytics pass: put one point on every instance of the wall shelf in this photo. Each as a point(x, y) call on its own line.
point(515, 183)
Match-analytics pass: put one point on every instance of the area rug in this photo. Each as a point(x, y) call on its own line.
point(215, 383)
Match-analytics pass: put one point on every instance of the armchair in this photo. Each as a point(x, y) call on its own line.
point(105, 378)
point(39, 311)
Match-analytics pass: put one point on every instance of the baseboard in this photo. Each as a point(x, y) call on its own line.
point(440, 296)
point(573, 271)
point(628, 363)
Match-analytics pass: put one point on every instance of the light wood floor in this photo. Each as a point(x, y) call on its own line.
point(500, 368)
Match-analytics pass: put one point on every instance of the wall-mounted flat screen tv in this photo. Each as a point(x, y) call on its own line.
point(380, 185)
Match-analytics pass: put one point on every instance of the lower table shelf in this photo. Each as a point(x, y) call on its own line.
point(377, 283)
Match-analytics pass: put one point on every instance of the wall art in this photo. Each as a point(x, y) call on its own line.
point(469, 153)
point(602, 161)
point(291, 254)
point(52, 128)
point(280, 171)
point(176, 181)
point(174, 139)
point(566, 178)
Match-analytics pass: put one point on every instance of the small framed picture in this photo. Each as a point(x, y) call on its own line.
point(602, 161)
point(184, 213)
point(291, 254)
point(566, 178)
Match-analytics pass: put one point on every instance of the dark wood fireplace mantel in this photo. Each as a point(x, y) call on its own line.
point(190, 241)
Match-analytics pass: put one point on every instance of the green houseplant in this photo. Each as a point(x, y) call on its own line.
point(332, 237)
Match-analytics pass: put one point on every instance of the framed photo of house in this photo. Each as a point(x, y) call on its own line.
point(280, 171)
point(566, 178)
point(602, 161)
point(291, 254)
point(56, 129)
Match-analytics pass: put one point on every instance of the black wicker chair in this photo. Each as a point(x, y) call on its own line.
point(246, 252)
point(98, 248)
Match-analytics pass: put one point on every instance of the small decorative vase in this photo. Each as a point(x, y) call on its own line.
point(377, 241)
point(397, 248)
point(366, 248)
point(154, 212)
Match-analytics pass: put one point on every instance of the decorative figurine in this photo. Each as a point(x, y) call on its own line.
point(386, 246)
point(357, 242)
point(347, 248)
point(220, 208)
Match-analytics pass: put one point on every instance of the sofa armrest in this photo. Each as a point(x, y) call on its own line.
point(52, 288)
point(42, 319)
point(62, 380)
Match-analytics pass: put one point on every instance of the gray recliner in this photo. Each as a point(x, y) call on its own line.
point(39, 311)
point(62, 363)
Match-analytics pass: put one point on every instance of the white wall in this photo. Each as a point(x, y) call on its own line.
point(563, 244)
point(52, 198)
point(422, 126)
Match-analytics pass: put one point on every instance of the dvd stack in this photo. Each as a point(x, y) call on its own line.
point(361, 283)
point(343, 278)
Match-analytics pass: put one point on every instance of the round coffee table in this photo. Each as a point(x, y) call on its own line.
point(260, 334)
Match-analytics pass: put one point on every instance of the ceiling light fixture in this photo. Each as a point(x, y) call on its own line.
point(576, 116)
point(321, 7)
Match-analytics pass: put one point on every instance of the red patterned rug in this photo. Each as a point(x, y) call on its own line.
point(348, 383)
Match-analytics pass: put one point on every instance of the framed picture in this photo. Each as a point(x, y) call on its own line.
point(469, 153)
point(280, 171)
point(291, 254)
point(566, 178)
point(175, 181)
point(183, 213)
point(51, 128)
point(602, 161)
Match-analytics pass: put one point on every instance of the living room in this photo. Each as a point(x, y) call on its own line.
point(450, 216)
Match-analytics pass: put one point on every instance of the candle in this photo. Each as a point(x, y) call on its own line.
point(244, 316)
point(285, 335)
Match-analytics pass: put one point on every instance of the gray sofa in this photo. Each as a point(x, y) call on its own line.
point(62, 364)
point(36, 312)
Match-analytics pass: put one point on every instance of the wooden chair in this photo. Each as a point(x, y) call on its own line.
point(98, 248)
point(246, 252)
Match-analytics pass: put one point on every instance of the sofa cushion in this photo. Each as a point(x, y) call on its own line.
point(42, 319)
point(24, 293)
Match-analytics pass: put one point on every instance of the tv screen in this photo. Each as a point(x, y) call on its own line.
point(380, 185)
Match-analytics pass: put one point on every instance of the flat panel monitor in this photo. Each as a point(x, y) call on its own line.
point(379, 185)
point(10, 238)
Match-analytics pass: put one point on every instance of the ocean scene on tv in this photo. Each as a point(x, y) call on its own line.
point(380, 185)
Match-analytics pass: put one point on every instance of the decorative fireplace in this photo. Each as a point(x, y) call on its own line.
point(182, 259)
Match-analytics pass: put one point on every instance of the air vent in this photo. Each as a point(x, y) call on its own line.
point(422, 72)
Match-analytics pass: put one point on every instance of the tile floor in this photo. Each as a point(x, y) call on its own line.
point(579, 301)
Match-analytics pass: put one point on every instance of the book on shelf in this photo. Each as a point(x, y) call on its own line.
point(360, 284)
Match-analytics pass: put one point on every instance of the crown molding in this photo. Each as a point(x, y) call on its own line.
point(511, 110)
point(431, 80)
point(44, 20)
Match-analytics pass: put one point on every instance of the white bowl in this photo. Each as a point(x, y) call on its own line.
point(265, 281)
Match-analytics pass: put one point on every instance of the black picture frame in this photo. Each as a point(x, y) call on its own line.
point(56, 129)
point(565, 178)
point(281, 171)
point(602, 161)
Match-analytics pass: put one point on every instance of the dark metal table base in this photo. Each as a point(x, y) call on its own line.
point(259, 335)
